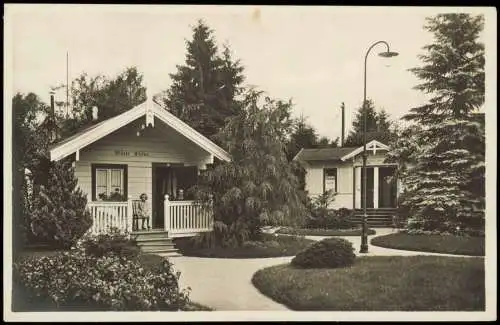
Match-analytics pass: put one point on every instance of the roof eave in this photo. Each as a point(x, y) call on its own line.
point(296, 158)
point(59, 152)
point(63, 150)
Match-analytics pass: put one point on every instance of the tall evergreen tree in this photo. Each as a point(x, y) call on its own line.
point(445, 177)
point(204, 88)
point(378, 126)
point(302, 136)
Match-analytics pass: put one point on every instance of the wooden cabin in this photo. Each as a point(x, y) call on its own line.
point(143, 150)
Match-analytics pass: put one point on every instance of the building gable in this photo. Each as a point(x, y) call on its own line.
point(150, 110)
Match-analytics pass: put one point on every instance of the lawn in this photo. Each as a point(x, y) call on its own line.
point(323, 232)
point(380, 283)
point(449, 244)
point(269, 246)
point(19, 303)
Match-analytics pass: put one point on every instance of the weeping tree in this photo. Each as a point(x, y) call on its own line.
point(258, 186)
point(444, 148)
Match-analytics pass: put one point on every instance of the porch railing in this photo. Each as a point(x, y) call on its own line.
point(180, 217)
point(108, 215)
point(186, 217)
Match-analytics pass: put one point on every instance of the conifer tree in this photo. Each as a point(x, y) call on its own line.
point(59, 215)
point(378, 126)
point(204, 88)
point(444, 149)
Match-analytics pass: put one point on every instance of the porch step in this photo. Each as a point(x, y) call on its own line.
point(150, 234)
point(376, 218)
point(155, 241)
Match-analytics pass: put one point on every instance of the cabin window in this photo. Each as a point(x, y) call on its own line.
point(109, 182)
point(330, 179)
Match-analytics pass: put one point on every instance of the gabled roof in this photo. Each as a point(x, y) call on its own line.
point(149, 109)
point(323, 154)
point(340, 153)
point(373, 145)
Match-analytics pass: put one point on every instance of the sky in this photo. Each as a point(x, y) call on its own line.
point(313, 55)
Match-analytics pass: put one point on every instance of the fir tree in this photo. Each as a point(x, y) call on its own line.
point(445, 147)
point(258, 186)
point(204, 88)
point(378, 126)
point(302, 136)
point(59, 215)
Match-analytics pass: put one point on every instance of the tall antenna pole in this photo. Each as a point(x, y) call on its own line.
point(342, 107)
point(67, 84)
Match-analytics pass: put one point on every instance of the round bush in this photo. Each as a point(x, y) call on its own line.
point(327, 253)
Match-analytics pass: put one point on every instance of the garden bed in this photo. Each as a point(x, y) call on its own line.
point(446, 244)
point(20, 303)
point(323, 232)
point(269, 246)
point(380, 283)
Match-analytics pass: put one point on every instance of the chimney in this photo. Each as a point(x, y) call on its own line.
point(52, 108)
point(95, 112)
point(51, 120)
point(342, 107)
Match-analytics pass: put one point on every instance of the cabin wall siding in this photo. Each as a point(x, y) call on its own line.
point(345, 178)
point(158, 145)
point(314, 182)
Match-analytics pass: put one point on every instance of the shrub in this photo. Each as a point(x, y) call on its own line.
point(59, 216)
point(112, 243)
point(74, 279)
point(331, 219)
point(327, 253)
point(321, 217)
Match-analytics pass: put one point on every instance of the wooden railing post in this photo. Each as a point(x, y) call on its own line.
point(129, 214)
point(166, 213)
point(210, 213)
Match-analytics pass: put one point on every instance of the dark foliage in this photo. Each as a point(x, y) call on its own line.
point(327, 253)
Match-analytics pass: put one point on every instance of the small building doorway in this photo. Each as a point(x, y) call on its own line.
point(174, 180)
point(369, 187)
point(387, 187)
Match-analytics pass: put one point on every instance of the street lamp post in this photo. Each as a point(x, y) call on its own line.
point(364, 231)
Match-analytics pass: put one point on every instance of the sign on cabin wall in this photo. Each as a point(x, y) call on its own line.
point(330, 182)
point(126, 153)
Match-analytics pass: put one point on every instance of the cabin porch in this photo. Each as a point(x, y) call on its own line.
point(181, 218)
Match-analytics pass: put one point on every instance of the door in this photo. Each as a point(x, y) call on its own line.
point(170, 180)
point(369, 188)
point(164, 182)
point(387, 187)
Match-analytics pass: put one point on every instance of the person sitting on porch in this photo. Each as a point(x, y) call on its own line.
point(143, 211)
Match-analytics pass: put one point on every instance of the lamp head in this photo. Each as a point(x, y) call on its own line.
point(388, 54)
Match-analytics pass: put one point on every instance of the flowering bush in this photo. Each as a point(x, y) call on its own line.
point(109, 282)
point(111, 243)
